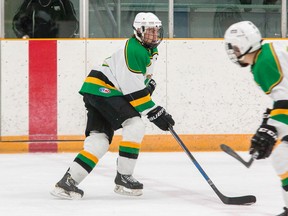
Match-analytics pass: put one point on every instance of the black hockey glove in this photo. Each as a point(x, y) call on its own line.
point(263, 141)
point(151, 85)
point(161, 118)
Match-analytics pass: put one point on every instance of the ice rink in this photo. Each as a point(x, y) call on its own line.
point(172, 186)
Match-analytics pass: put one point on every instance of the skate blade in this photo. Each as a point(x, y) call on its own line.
point(128, 192)
point(61, 193)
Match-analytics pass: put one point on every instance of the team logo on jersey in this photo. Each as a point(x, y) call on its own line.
point(104, 90)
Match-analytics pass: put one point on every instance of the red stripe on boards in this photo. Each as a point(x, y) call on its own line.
point(43, 147)
point(42, 92)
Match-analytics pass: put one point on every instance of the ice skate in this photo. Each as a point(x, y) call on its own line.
point(127, 185)
point(66, 188)
point(285, 213)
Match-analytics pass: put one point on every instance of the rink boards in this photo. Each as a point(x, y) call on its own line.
point(212, 100)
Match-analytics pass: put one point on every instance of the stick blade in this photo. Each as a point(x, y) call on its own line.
point(232, 153)
point(241, 200)
point(244, 200)
point(229, 151)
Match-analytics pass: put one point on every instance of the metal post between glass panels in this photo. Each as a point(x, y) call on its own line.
point(2, 27)
point(171, 19)
point(84, 18)
point(284, 19)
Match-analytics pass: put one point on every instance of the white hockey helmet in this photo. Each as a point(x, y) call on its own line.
point(240, 39)
point(143, 22)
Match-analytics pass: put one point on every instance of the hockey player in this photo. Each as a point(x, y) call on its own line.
point(45, 19)
point(269, 68)
point(116, 96)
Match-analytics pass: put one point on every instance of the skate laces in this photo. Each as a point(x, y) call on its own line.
point(71, 183)
point(130, 178)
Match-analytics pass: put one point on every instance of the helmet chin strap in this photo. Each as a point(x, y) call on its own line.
point(241, 58)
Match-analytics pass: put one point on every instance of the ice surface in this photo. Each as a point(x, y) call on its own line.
point(172, 186)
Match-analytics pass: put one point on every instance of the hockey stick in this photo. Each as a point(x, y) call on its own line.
point(243, 200)
point(232, 153)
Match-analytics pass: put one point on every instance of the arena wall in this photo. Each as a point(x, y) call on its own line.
point(212, 100)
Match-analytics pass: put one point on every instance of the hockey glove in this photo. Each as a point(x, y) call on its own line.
point(151, 85)
point(263, 141)
point(161, 118)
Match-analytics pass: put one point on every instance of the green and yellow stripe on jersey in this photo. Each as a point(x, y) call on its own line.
point(140, 100)
point(280, 111)
point(97, 83)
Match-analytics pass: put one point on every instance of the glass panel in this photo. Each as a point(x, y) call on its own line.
point(192, 18)
point(108, 19)
point(210, 18)
point(41, 18)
